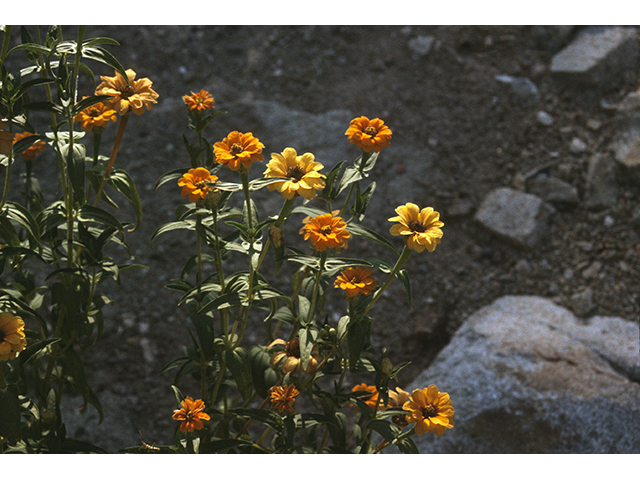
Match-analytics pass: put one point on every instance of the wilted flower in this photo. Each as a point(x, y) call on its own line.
point(133, 95)
point(36, 149)
point(238, 149)
point(369, 134)
point(292, 354)
point(398, 397)
point(97, 115)
point(356, 280)
point(194, 183)
point(371, 400)
point(191, 415)
point(326, 231)
point(430, 410)
point(6, 140)
point(198, 101)
point(12, 338)
point(283, 398)
point(302, 170)
point(422, 228)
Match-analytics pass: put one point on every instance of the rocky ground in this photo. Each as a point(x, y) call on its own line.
point(472, 109)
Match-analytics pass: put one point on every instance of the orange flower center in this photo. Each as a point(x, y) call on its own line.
point(292, 349)
point(371, 131)
point(416, 226)
point(236, 149)
point(93, 112)
point(295, 173)
point(429, 411)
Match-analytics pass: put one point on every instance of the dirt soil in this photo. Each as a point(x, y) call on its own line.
point(448, 101)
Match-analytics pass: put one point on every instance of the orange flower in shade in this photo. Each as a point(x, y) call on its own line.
point(356, 280)
point(372, 400)
point(326, 231)
point(422, 228)
point(12, 338)
point(97, 115)
point(198, 101)
point(301, 170)
point(194, 183)
point(238, 149)
point(36, 149)
point(369, 134)
point(191, 415)
point(283, 398)
point(292, 354)
point(133, 95)
point(6, 142)
point(430, 409)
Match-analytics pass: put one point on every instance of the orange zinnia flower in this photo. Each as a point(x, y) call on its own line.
point(198, 101)
point(356, 280)
point(292, 354)
point(97, 115)
point(191, 415)
point(12, 338)
point(326, 231)
point(430, 410)
point(238, 149)
point(283, 398)
point(369, 134)
point(372, 400)
point(194, 183)
point(36, 149)
point(422, 228)
point(132, 95)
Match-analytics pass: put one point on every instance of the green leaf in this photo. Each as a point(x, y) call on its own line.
point(88, 213)
point(361, 231)
point(88, 102)
point(123, 183)
point(74, 370)
point(407, 446)
point(168, 227)
point(75, 166)
point(173, 175)
point(220, 446)
point(239, 365)
point(403, 276)
point(268, 417)
point(358, 338)
point(101, 55)
point(23, 217)
point(389, 431)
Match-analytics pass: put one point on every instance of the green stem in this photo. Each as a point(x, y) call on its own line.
point(5, 42)
point(316, 288)
point(116, 146)
point(199, 250)
point(404, 256)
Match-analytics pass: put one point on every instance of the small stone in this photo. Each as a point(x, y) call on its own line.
point(592, 270)
point(523, 88)
point(601, 186)
point(544, 118)
point(577, 145)
point(609, 221)
point(555, 191)
point(582, 303)
point(422, 44)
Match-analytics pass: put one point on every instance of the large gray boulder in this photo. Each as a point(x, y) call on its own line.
point(527, 376)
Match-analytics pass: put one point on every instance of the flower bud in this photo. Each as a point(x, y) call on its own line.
point(386, 367)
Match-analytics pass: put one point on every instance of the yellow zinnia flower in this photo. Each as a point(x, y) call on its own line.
point(238, 149)
point(191, 415)
point(133, 95)
point(421, 227)
point(283, 398)
point(301, 169)
point(12, 338)
point(36, 149)
point(292, 354)
point(398, 397)
point(194, 183)
point(198, 101)
point(326, 231)
point(430, 410)
point(97, 115)
point(369, 134)
point(356, 280)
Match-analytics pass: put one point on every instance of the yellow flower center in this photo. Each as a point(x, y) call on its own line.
point(416, 226)
point(371, 131)
point(429, 411)
point(295, 173)
point(292, 349)
point(236, 149)
point(326, 230)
